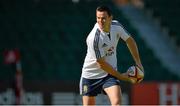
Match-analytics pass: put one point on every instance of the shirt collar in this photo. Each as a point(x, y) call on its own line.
point(104, 33)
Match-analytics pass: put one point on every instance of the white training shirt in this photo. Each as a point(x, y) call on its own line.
point(99, 45)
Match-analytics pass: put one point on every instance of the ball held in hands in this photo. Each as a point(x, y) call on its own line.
point(135, 74)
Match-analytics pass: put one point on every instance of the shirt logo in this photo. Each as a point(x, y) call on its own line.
point(110, 51)
point(104, 45)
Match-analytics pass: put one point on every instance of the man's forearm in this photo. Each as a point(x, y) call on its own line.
point(110, 70)
point(134, 51)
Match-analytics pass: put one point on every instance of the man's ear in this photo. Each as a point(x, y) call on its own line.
point(111, 17)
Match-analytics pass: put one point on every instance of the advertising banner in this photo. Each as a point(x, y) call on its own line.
point(154, 93)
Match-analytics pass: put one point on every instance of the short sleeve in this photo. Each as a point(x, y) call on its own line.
point(123, 33)
point(120, 29)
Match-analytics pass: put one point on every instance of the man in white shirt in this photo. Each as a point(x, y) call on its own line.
point(99, 72)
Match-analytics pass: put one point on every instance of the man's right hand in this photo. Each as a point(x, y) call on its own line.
point(133, 81)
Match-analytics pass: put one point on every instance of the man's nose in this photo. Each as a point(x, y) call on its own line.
point(102, 20)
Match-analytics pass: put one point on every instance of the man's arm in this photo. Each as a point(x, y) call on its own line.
point(134, 52)
point(110, 70)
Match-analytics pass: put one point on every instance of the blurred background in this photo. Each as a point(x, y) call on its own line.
point(43, 47)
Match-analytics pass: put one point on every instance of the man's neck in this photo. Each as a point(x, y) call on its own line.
point(107, 28)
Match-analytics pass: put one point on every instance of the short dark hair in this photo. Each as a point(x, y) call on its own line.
point(104, 8)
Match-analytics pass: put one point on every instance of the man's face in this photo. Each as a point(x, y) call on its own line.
point(103, 19)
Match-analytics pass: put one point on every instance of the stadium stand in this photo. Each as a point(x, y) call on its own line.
point(168, 12)
point(50, 35)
